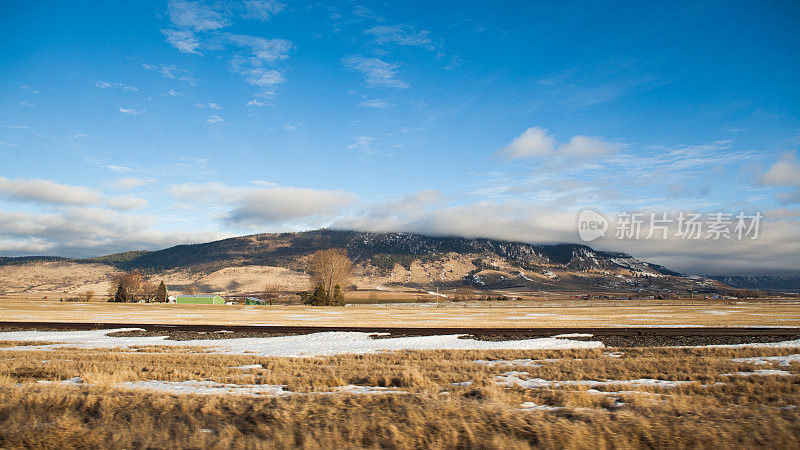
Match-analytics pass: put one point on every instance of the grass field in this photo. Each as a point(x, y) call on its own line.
point(449, 314)
point(662, 398)
point(155, 394)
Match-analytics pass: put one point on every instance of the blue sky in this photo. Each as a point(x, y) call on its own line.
point(145, 124)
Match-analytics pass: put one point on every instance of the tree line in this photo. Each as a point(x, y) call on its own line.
point(133, 287)
point(330, 272)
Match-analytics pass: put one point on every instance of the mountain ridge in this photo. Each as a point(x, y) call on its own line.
point(279, 248)
point(382, 261)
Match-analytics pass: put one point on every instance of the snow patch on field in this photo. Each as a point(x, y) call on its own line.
point(782, 344)
point(249, 367)
point(595, 391)
point(781, 360)
point(530, 406)
point(206, 388)
point(512, 362)
point(761, 372)
point(353, 389)
point(68, 381)
point(717, 312)
point(512, 379)
point(316, 344)
point(194, 387)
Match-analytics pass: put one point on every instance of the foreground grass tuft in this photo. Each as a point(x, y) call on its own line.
point(438, 410)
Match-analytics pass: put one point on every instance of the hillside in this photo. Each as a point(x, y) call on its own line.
point(382, 260)
point(287, 249)
point(789, 283)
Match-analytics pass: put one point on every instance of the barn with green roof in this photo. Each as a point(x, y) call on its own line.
point(200, 299)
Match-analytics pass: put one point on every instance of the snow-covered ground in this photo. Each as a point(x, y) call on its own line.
point(317, 344)
point(762, 372)
point(206, 388)
point(785, 361)
point(249, 367)
point(530, 406)
point(512, 362)
point(513, 379)
point(782, 344)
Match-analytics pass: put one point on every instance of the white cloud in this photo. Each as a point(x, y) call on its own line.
point(263, 203)
point(78, 135)
point(365, 13)
point(126, 203)
point(363, 145)
point(263, 77)
point(197, 24)
point(129, 111)
point(587, 147)
point(538, 142)
point(254, 54)
point(184, 41)
point(424, 213)
point(261, 50)
point(785, 172)
point(110, 166)
point(783, 213)
point(377, 73)
point(208, 105)
point(195, 15)
point(533, 142)
point(788, 198)
point(82, 232)
point(376, 104)
point(775, 250)
point(215, 119)
point(173, 73)
point(261, 10)
point(285, 204)
point(127, 183)
point(255, 102)
point(394, 214)
point(109, 85)
point(401, 35)
point(46, 191)
point(263, 183)
point(211, 192)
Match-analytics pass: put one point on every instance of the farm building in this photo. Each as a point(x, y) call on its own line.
point(201, 299)
point(254, 301)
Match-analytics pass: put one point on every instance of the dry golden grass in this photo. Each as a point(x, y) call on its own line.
point(476, 314)
point(718, 410)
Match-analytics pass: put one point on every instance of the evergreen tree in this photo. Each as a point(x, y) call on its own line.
point(338, 296)
point(161, 294)
point(121, 295)
point(319, 297)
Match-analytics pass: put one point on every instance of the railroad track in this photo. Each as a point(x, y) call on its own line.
point(417, 331)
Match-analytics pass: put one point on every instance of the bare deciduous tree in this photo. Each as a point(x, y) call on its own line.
point(131, 287)
point(271, 292)
point(329, 269)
